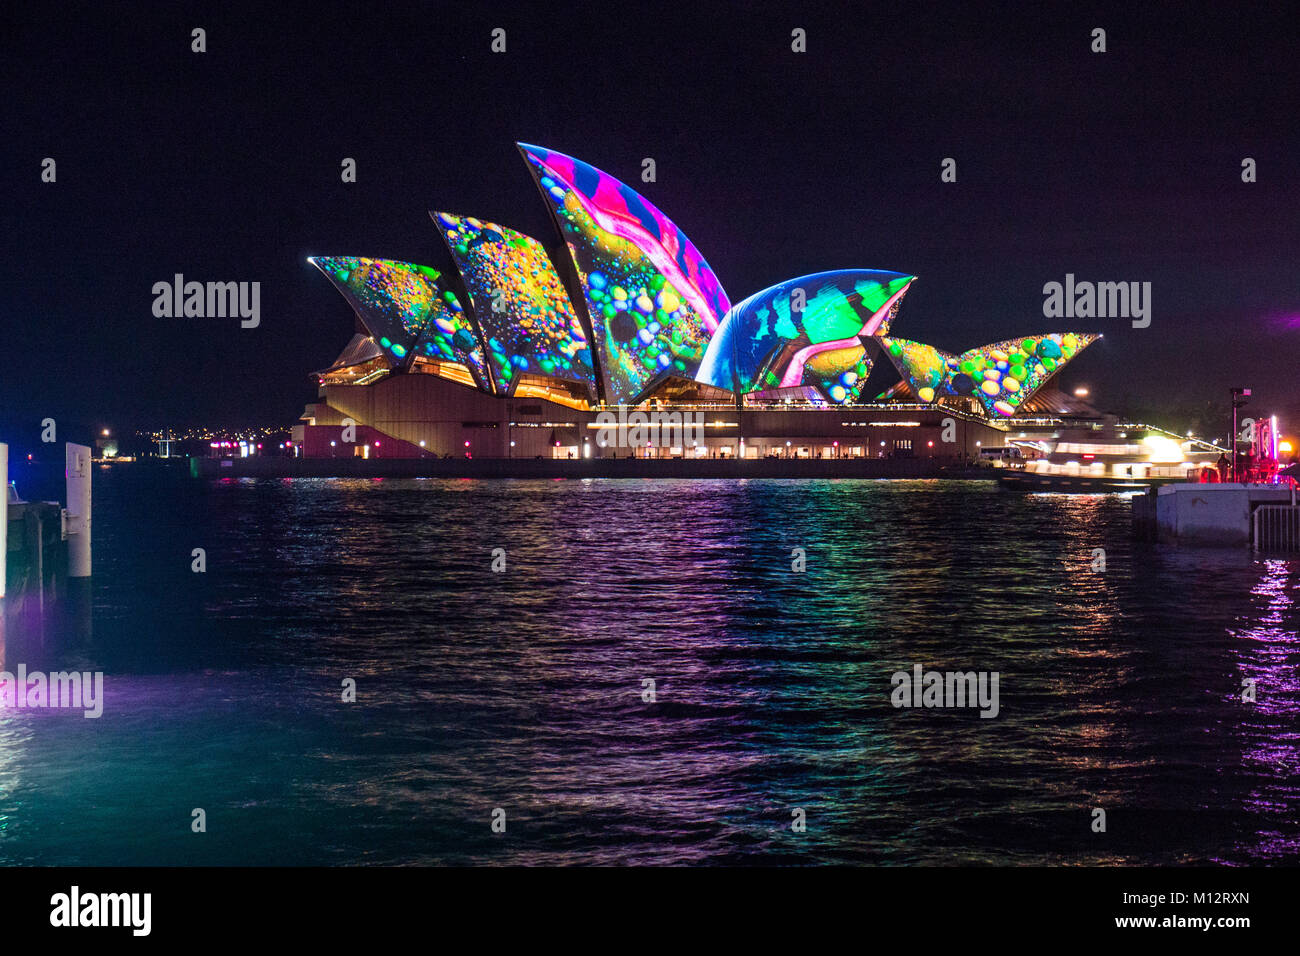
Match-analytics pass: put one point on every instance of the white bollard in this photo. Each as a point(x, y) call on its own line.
point(4, 514)
point(77, 475)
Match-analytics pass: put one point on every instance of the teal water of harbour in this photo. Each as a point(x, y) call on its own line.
point(525, 690)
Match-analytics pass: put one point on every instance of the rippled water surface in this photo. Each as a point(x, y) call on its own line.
point(523, 690)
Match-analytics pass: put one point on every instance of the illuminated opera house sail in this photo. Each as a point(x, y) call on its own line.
point(520, 344)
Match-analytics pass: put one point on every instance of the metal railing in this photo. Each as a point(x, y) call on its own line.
point(1276, 528)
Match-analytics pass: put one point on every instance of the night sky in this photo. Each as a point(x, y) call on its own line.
point(225, 166)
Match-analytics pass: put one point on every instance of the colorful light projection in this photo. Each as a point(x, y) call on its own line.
point(385, 295)
point(522, 309)
point(653, 299)
point(1005, 374)
point(925, 368)
point(1000, 376)
point(408, 309)
point(768, 342)
point(839, 374)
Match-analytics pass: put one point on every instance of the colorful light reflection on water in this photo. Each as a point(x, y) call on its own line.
point(1119, 689)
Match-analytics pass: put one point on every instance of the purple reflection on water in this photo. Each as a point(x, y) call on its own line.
point(1270, 755)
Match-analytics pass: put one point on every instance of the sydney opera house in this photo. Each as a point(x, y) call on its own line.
point(525, 351)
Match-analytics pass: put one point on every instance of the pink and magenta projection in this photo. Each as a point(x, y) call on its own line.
point(654, 301)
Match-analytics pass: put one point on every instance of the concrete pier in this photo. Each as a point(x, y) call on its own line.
point(1209, 515)
point(45, 567)
point(77, 477)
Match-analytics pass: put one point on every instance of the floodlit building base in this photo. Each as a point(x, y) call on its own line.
point(413, 416)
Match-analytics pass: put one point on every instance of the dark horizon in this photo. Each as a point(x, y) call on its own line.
point(224, 166)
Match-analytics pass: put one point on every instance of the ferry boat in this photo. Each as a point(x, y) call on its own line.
point(1102, 460)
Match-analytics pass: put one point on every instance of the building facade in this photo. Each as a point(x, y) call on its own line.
point(624, 343)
